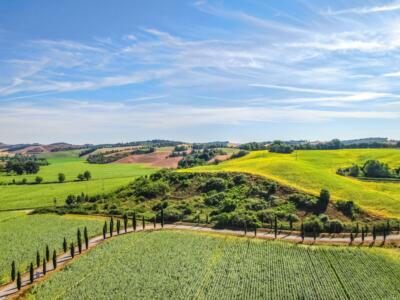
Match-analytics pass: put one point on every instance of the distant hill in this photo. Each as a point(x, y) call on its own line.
point(370, 140)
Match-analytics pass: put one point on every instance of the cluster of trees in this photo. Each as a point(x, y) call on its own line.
point(209, 145)
point(72, 200)
point(16, 275)
point(280, 147)
point(371, 169)
point(337, 144)
point(199, 157)
point(253, 146)
point(20, 164)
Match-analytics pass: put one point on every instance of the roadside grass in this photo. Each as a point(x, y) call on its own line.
point(312, 170)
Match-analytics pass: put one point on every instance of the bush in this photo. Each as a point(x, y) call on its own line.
point(323, 200)
point(304, 201)
point(215, 184)
point(215, 199)
point(237, 219)
point(313, 223)
point(143, 187)
point(38, 179)
point(348, 208)
point(228, 205)
point(334, 226)
point(375, 168)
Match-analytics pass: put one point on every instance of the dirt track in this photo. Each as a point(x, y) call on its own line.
point(10, 290)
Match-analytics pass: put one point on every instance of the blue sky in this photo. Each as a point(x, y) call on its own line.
point(110, 71)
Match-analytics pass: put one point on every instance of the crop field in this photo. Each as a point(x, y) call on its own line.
point(188, 265)
point(312, 170)
point(22, 235)
point(105, 178)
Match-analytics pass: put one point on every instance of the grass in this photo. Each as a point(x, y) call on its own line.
point(310, 171)
point(188, 265)
point(105, 178)
point(22, 235)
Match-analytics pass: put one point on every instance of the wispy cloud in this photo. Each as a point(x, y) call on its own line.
point(394, 6)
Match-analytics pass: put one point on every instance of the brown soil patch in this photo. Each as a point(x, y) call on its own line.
point(220, 158)
point(155, 159)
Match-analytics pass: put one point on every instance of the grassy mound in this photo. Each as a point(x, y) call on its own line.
point(310, 171)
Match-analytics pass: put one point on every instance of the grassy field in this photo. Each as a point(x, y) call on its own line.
point(310, 171)
point(105, 178)
point(185, 265)
point(22, 235)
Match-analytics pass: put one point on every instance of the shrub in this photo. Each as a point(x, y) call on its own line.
point(215, 199)
point(312, 223)
point(143, 187)
point(228, 205)
point(215, 184)
point(375, 168)
point(323, 199)
point(38, 179)
point(348, 208)
point(303, 201)
point(334, 226)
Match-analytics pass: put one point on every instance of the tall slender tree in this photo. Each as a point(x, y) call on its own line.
point(245, 227)
point(19, 282)
point(47, 253)
point(31, 274)
point(54, 259)
point(72, 250)
point(384, 234)
point(302, 232)
point(37, 259)
point(373, 233)
point(13, 271)
point(143, 223)
point(255, 230)
point(134, 221)
point(111, 226)
point(154, 221)
point(86, 237)
point(276, 227)
point(79, 240)
point(105, 230)
point(362, 234)
point(65, 245)
point(118, 226)
point(44, 266)
point(126, 223)
point(162, 218)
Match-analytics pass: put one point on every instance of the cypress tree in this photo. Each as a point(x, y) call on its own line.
point(19, 283)
point(362, 234)
point(351, 237)
point(162, 218)
point(44, 266)
point(111, 226)
point(357, 229)
point(79, 241)
point(54, 259)
point(302, 232)
point(105, 230)
point(314, 233)
point(72, 250)
point(86, 237)
point(126, 223)
point(384, 234)
point(134, 221)
point(37, 259)
point(13, 271)
point(276, 227)
point(47, 253)
point(373, 233)
point(388, 228)
point(31, 276)
point(255, 230)
point(154, 221)
point(143, 223)
point(118, 226)
point(245, 227)
point(65, 245)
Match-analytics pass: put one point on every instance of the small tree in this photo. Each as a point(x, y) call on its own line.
point(126, 223)
point(31, 274)
point(111, 226)
point(154, 221)
point(54, 259)
point(65, 245)
point(47, 253)
point(13, 271)
point(44, 266)
point(37, 259)
point(323, 199)
point(362, 235)
point(302, 232)
point(80, 177)
point(134, 221)
point(61, 177)
point(384, 235)
point(245, 227)
point(79, 239)
point(373, 233)
point(351, 237)
point(105, 230)
point(87, 175)
point(162, 218)
point(86, 237)
point(143, 223)
point(72, 250)
point(38, 179)
point(19, 283)
point(255, 230)
point(118, 226)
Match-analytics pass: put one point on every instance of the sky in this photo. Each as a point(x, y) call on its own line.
point(98, 71)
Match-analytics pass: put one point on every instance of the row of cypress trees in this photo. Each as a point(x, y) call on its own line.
point(16, 276)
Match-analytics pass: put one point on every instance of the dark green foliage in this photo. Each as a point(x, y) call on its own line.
point(54, 259)
point(134, 221)
point(13, 271)
point(44, 270)
point(72, 250)
point(19, 282)
point(86, 237)
point(31, 273)
point(253, 146)
point(111, 227)
point(334, 226)
point(304, 201)
point(61, 177)
point(312, 225)
point(47, 253)
point(302, 232)
point(348, 208)
point(377, 169)
point(87, 175)
point(214, 199)
point(239, 154)
point(118, 226)
point(38, 179)
point(125, 223)
point(148, 189)
point(20, 164)
point(79, 240)
point(65, 245)
point(199, 157)
point(37, 259)
point(215, 184)
point(105, 230)
point(323, 200)
point(143, 223)
point(280, 147)
point(162, 218)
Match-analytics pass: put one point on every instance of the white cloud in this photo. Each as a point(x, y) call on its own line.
point(368, 9)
